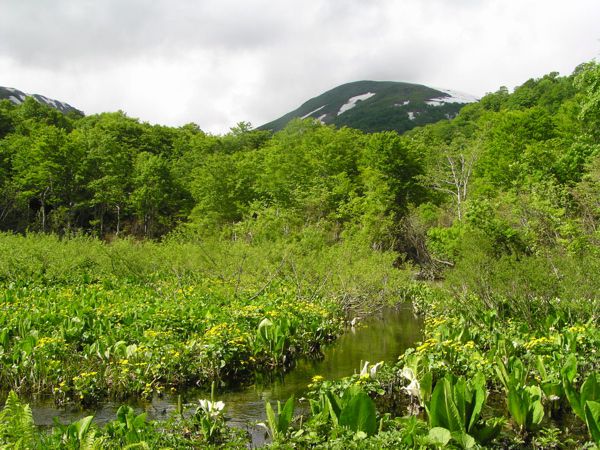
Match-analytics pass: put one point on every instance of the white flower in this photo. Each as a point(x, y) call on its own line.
point(365, 369)
point(414, 388)
point(212, 409)
point(372, 371)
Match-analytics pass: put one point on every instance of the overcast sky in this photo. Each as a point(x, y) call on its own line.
point(218, 62)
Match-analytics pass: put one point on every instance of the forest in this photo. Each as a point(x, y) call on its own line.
point(140, 259)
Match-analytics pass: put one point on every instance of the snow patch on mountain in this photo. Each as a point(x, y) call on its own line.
point(351, 103)
point(312, 112)
point(453, 97)
point(17, 97)
point(46, 100)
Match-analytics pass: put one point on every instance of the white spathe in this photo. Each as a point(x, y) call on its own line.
point(212, 409)
point(371, 371)
point(413, 388)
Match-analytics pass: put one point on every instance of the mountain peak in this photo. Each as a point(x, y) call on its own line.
point(378, 106)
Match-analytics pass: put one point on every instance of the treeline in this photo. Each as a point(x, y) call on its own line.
point(515, 174)
point(110, 174)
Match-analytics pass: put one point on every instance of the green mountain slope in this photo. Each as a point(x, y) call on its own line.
point(374, 106)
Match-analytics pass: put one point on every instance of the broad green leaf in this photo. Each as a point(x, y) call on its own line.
point(439, 436)
point(574, 399)
point(517, 407)
point(454, 417)
point(271, 418)
point(537, 413)
point(501, 372)
point(425, 387)
point(82, 426)
point(463, 439)
point(489, 431)
point(592, 419)
point(541, 368)
point(459, 402)
point(285, 416)
point(569, 369)
point(360, 414)
point(437, 409)
point(590, 390)
point(478, 385)
point(333, 405)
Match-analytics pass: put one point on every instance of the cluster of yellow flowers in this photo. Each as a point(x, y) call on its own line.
point(216, 330)
point(534, 342)
point(425, 345)
point(434, 322)
point(174, 353)
point(82, 376)
point(48, 340)
point(315, 380)
point(155, 333)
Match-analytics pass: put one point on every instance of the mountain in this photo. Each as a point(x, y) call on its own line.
point(374, 106)
point(16, 96)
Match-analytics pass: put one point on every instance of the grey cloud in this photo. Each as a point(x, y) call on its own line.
point(67, 32)
point(254, 60)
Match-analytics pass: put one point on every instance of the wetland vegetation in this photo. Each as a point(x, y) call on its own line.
point(138, 261)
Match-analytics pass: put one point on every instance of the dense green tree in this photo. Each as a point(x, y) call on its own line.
point(108, 167)
point(43, 169)
point(153, 194)
point(588, 81)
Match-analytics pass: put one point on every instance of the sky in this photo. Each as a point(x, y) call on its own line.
point(219, 62)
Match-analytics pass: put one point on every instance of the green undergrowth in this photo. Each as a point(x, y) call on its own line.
point(479, 379)
point(82, 320)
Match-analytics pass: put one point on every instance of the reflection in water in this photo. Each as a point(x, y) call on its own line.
point(380, 338)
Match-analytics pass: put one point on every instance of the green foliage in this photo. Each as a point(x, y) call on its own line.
point(585, 401)
point(588, 80)
point(17, 429)
point(359, 414)
point(268, 238)
point(525, 406)
point(454, 411)
point(278, 425)
point(352, 409)
point(592, 419)
point(129, 428)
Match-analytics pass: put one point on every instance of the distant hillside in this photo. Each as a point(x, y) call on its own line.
point(374, 106)
point(16, 96)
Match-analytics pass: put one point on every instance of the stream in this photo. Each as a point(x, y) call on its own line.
point(382, 337)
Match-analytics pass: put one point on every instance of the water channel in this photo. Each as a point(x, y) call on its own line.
point(381, 337)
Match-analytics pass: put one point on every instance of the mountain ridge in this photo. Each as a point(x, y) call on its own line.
point(17, 97)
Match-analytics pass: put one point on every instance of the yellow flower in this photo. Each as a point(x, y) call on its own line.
point(317, 379)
